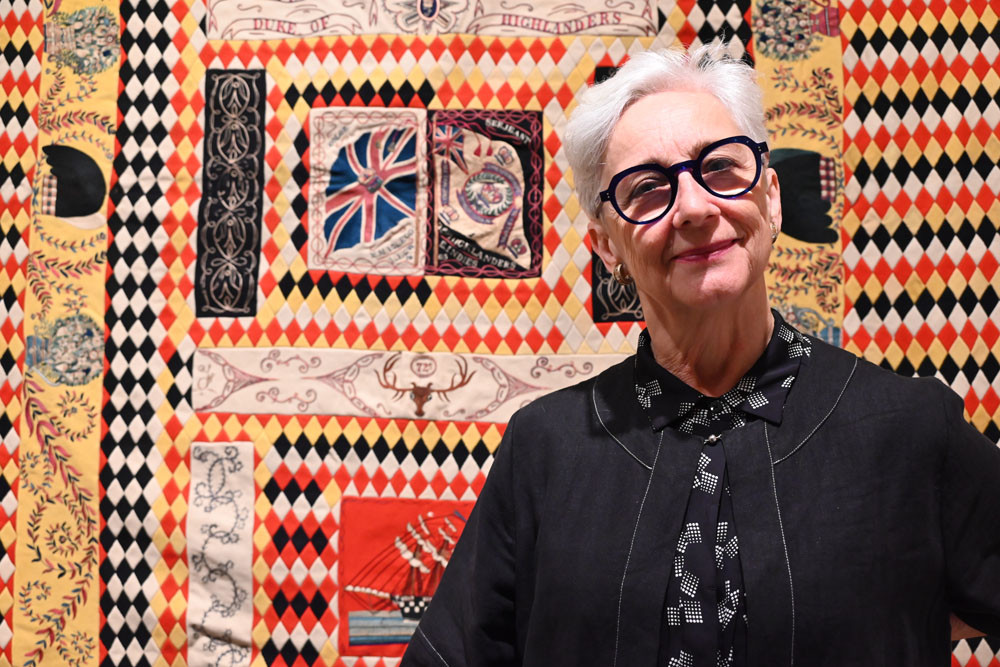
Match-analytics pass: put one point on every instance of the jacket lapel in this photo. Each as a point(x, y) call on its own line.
point(673, 457)
point(762, 555)
point(767, 575)
point(822, 380)
point(619, 414)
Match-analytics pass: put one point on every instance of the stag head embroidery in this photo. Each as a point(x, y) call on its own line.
point(421, 394)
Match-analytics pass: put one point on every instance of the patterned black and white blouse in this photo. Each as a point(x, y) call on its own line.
point(704, 618)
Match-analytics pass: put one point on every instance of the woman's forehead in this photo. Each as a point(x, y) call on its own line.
point(677, 123)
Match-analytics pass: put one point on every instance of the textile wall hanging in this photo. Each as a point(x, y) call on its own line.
point(273, 281)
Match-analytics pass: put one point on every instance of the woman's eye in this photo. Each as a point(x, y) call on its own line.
point(644, 188)
point(717, 164)
point(648, 185)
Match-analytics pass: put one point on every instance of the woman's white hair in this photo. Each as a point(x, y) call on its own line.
point(708, 69)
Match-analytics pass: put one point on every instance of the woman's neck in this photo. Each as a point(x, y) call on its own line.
point(711, 349)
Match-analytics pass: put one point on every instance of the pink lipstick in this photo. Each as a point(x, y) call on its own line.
point(707, 252)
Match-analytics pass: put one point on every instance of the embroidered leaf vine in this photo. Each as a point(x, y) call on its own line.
point(74, 404)
point(805, 109)
point(86, 89)
point(39, 232)
point(58, 84)
point(66, 119)
point(79, 551)
point(804, 131)
point(34, 525)
point(45, 274)
point(67, 269)
point(39, 288)
point(822, 104)
point(33, 591)
point(78, 136)
point(801, 271)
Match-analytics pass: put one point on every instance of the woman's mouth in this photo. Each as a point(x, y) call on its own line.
point(706, 252)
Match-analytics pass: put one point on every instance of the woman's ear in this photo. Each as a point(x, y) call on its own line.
point(602, 244)
point(774, 198)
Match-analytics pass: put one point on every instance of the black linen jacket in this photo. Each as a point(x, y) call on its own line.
point(863, 519)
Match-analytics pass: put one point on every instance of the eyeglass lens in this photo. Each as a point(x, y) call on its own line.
point(727, 171)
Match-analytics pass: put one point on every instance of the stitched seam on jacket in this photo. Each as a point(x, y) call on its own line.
point(593, 397)
point(821, 421)
point(429, 644)
point(784, 544)
point(628, 558)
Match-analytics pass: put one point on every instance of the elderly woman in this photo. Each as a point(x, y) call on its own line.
point(737, 493)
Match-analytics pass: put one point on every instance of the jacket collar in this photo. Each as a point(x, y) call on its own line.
point(817, 389)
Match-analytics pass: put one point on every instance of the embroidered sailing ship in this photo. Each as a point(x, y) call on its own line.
point(397, 584)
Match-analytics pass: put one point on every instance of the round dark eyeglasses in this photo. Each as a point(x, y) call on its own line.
point(727, 168)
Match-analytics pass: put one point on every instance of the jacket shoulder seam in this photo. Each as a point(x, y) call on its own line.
point(822, 421)
point(593, 398)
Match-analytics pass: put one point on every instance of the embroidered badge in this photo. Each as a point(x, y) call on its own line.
point(487, 180)
point(68, 351)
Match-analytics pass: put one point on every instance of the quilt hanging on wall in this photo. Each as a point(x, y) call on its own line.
point(274, 278)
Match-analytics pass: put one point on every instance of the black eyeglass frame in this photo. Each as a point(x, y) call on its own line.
point(694, 167)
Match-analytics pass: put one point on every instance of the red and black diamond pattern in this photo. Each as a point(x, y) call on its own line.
point(922, 251)
point(21, 22)
point(921, 248)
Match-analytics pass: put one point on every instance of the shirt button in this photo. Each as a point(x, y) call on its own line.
point(715, 409)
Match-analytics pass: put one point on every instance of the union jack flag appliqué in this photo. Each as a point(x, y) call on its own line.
point(373, 187)
point(448, 141)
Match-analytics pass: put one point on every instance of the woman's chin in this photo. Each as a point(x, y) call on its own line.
point(693, 301)
point(709, 293)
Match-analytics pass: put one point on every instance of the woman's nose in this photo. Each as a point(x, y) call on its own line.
point(693, 203)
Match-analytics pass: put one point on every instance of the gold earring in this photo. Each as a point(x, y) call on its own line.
point(621, 275)
point(774, 232)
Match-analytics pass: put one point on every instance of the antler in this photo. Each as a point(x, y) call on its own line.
point(421, 393)
point(388, 380)
point(464, 376)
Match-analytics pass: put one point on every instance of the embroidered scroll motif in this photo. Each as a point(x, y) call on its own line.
point(368, 190)
point(380, 384)
point(220, 615)
point(229, 221)
point(487, 193)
